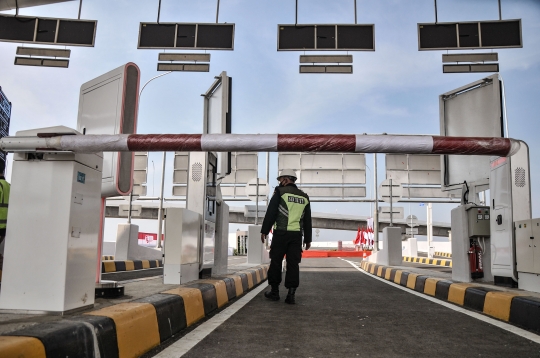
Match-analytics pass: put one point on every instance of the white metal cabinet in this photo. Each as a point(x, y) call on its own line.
point(528, 246)
point(536, 245)
point(52, 233)
point(181, 249)
point(524, 246)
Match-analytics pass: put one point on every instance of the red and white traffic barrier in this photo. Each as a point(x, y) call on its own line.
point(342, 143)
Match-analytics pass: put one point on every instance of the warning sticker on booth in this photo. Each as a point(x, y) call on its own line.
point(81, 177)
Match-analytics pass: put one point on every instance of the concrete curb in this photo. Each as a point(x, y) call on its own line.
point(119, 266)
point(425, 260)
point(512, 307)
point(442, 254)
point(107, 257)
point(133, 328)
point(129, 265)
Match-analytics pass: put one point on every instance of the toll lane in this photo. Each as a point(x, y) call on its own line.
point(342, 312)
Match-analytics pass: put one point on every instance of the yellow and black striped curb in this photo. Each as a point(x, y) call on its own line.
point(425, 260)
point(133, 328)
point(107, 257)
point(119, 266)
point(512, 307)
point(129, 265)
point(442, 254)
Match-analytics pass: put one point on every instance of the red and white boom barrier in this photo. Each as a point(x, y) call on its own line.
point(353, 143)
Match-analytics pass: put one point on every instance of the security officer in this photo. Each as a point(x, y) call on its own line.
point(289, 211)
point(4, 201)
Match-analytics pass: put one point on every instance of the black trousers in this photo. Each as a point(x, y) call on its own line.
point(285, 243)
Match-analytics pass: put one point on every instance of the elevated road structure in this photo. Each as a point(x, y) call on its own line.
point(320, 220)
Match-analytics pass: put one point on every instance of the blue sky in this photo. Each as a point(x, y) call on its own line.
point(394, 89)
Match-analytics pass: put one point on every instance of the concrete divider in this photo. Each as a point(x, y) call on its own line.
point(129, 265)
point(443, 254)
point(425, 260)
point(513, 307)
point(130, 329)
point(107, 265)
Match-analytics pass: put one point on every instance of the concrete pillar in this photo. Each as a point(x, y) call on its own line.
point(256, 250)
point(127, 245)
point(391, 253)
point(411, 247)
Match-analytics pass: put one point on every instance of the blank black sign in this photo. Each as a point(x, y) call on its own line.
point(157, 35)
point(76, 32)
point(46, 31)
point(470, 35)
point(70, 32)
point(212, 36)
point(325, 37)
point(17, 29)
point(186, 36)
point(437, 36)
point(501, 34)
point(355, 37)
point(296, 37)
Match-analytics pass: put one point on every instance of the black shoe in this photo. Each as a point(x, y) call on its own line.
point(272, 294)
point(290, 296)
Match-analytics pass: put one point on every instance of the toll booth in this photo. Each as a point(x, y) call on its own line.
point(511, 208)
point(202, 199)
point(190, 254)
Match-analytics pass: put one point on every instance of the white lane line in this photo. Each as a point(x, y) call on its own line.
point(507, 327)
point(184, 345)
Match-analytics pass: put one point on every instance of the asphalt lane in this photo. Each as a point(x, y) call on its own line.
point(341, 312)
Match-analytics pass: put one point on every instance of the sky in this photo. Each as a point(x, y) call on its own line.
point(394, 89)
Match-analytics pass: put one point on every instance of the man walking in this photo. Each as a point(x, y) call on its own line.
point(289, 211)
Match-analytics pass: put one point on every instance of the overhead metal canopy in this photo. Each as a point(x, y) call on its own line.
point(12, 4)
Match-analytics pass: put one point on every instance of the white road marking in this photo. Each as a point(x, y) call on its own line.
point(507, 327)
point(184, 345)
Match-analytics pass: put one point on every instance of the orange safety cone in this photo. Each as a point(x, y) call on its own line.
point(364, 255)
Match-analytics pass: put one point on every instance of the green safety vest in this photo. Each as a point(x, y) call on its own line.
point(292, 204)
point(4, 201)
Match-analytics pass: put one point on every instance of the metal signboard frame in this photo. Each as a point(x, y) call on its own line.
point(46, 31)
point(474, 110)
point(5, 116)
point(469, 35)
point(217, 116)
point(419, 174)
point(244, 167)
point(328, 175)
point(180, 173)
point(171, 32)
point(326, 37)
point(108, 104)
point(140, 173)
